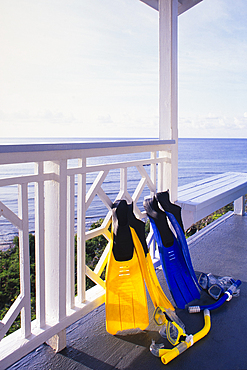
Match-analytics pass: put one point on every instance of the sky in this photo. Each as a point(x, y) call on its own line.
point(89, 68)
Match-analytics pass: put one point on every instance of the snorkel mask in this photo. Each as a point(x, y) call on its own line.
point(173, 329)
point(215, 287)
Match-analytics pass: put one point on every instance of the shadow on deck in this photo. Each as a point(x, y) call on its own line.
point(220, 249)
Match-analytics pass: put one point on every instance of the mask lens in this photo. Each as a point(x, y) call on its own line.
point(215, 291)
point(159, 316)
point(172, 333)
point(203, 281)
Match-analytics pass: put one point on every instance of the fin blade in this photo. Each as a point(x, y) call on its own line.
point(156, 293)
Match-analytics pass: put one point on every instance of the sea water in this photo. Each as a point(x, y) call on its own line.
point(197, 159)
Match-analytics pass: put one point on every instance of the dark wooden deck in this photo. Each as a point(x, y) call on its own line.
point(221, 250)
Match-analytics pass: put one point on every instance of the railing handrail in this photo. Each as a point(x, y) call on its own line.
point(13, 148)
point(20, 153)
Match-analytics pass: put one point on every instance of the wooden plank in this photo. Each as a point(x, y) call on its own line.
point(201, 198)
point(204, 194)
point(220, 192)
point(199, 182)
point(209, 186)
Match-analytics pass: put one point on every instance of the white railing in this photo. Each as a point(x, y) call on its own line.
point(57, 185)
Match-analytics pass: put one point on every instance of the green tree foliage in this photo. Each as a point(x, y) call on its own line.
point(207, 220)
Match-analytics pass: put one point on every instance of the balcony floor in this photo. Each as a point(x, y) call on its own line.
point(221, 250)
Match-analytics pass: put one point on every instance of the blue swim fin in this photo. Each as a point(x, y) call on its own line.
point(173, 213)
point(182, 285)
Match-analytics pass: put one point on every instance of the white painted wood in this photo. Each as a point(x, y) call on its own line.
point(202, 188)
point(153, 175)
point(152, 3)
point(14, 347)
point(201, 198)
point(116, 165)
point(95, 186)
point(81, 218)
point(145, 176)
point(24, 260)
point(39, 246)
point(164, 168)
point(11, 315)
point(102, 261)
point(70, 283)
point(94, 277)
point(52, 245)
point(183, 5)
point(153, 172)
point(123, 193)
point(62, 238)
point(104, 198)
point(56, 152)
point(168, 100)
point(11, 216)
point(239, 206)
point(58, 341)
point(55, 250)
point(26, 179)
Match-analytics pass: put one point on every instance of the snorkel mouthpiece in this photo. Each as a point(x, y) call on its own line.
point(194, 309)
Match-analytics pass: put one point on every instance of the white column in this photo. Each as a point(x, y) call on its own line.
point(168, 100)
point(55, 249)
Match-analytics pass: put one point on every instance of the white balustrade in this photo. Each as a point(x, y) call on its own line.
point(56, 186)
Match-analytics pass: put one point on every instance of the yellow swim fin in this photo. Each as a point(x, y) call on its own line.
point(125, 302)
point(156, 293)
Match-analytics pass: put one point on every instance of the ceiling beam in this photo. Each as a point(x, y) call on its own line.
point(153, 3)
point(183, 5)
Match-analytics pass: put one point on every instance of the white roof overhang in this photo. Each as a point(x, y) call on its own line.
point(183, 5)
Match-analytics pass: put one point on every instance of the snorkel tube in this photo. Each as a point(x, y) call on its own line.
point(168, 355)
point(226, 297)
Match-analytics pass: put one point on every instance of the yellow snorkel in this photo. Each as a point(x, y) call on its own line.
point(168, 355)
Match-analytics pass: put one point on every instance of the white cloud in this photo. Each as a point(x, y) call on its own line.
point(213, 126)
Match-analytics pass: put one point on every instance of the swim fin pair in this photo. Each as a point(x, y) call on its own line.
point(129, 265)
point(173, 249)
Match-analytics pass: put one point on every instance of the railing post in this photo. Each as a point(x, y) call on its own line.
point(55, 249)
point(24, 261)
point(81, 216)
point(39, 246)
point(71, 243)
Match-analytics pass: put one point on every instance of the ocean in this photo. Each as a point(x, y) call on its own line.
point(197, 159)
